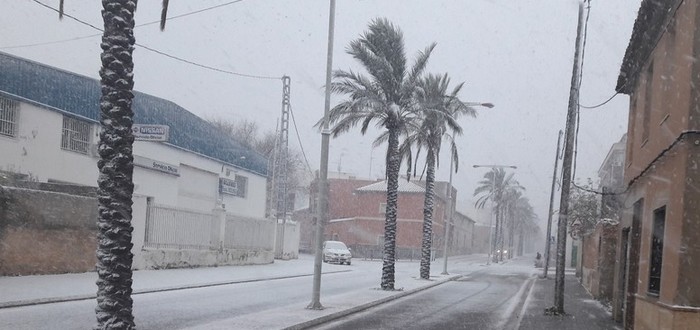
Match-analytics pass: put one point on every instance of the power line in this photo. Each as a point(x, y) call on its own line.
point(167, 54)
point(601, 104)
point(98, 34)
point(204, 65)
point(301, 146)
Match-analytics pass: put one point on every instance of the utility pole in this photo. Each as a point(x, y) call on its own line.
point(280, 174)
point(551, 210)
point(448, 220)
point(571, 119)
point(322, 212)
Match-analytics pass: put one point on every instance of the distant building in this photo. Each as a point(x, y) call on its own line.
point(461, 237)
point(657, 283)
point(199, 197)
point(356, 212)
point(49, 130)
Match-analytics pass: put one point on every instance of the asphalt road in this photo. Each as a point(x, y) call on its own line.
point(487, 299)
point(187, 308)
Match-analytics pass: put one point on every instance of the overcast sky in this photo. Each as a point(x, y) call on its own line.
point(517, 54)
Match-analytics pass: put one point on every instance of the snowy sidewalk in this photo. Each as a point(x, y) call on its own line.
point(583, 312)
point(38, 289)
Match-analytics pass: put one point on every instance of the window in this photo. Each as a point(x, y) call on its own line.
point(76, 135)
point(242, 185)
point(657, 249)
point(8, 117)
point(382, 208)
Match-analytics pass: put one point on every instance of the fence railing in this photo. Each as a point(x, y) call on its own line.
point(249, 233)
point(174, 228)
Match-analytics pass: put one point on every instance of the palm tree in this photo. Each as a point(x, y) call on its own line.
point(439, 110)
point(494, 187)
point(114, 258)
point(520, 214)
point(116, 166)
point(383, 96)
point(525, 217)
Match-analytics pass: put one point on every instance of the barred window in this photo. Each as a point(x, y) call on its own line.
point(76, 135)
point(657, 251)
point(9, 110)
point(242, 185)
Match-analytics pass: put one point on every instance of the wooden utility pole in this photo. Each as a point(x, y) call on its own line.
point(551, 210)
point(571, 118)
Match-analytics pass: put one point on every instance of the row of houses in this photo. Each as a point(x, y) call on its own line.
point(49, 130)
point(646, 263)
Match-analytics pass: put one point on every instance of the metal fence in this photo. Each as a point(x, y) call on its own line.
point(173, 228)
point(249, 233)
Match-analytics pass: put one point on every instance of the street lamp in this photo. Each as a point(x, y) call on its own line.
point(493, 187)
point(449, 191)
point(485, 104)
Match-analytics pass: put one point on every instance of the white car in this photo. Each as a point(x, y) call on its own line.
point(336, 251)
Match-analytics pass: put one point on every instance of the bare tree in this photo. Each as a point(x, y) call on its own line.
point(249, 134)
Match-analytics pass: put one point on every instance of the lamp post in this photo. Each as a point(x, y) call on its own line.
point(322, 214)
point(480, 104)
point(450, 202)
point(493, 188)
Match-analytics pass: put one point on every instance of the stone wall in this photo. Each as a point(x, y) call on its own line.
point(40, 235)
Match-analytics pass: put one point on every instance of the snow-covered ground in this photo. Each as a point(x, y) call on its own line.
point(261, 302)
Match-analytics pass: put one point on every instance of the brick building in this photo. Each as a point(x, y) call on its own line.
point(656, 282)
point(599, 247)
point(356, 217)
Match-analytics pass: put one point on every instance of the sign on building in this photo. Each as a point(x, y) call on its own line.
point(156, 165)
point(235, 187)
point(150, 132)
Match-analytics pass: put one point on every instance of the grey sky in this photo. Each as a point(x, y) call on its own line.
point(516, 54)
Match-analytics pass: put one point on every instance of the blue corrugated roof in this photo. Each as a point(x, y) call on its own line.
point(79, 95)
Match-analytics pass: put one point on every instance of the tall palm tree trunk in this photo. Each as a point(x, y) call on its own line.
point(511, 232)
point(428, 216)
point(500, 232)
point(496, 235)
point(392, 166)
point(114, 258)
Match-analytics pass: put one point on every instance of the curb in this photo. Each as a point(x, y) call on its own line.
point(42, 301)
point(359, 308)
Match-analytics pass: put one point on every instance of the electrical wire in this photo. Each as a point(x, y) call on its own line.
point(166, 54)
point(301, 146)
point(601, 104)
point(98, 34)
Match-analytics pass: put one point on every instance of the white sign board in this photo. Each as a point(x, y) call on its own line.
point(227, 186)
point(156, 165)
point(150, 132)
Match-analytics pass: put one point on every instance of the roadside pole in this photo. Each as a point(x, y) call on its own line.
point(448, 221)
point(551, 210)
point(322, 212)
point(571, 119)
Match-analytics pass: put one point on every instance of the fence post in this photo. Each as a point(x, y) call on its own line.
point(139, 223)
point(219, 215)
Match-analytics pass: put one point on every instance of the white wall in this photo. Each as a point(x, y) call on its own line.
point(36, 151)
point(205, 170)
